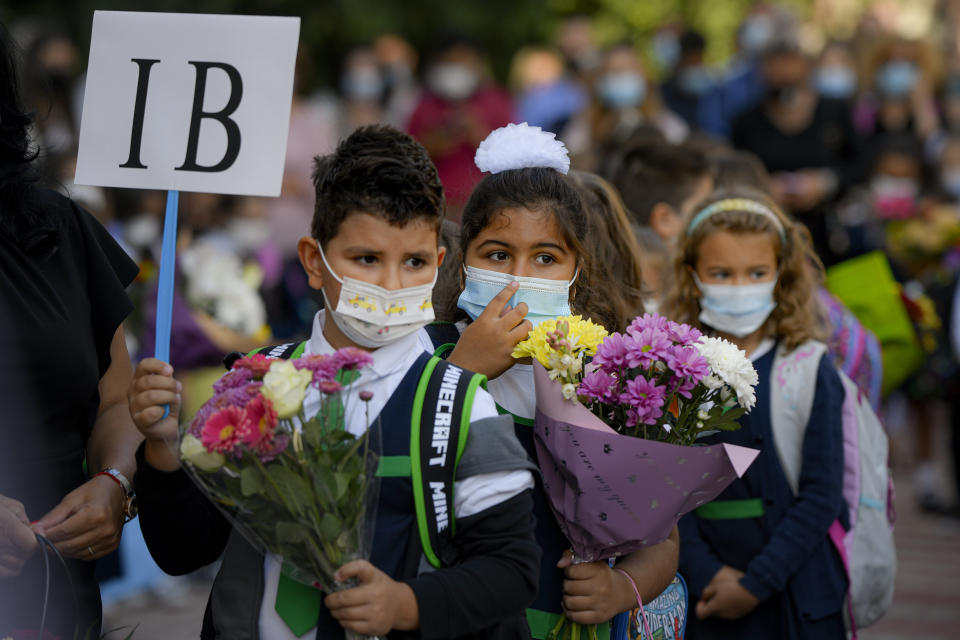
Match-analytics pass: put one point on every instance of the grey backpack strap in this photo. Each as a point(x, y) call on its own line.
point(792, 390)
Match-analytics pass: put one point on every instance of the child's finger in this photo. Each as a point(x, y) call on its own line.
point(153, 381)
point(499, 302)
point(147, 399)
point(521, 331)
point(149, 366)
point(565, 560)
point(360, 569)
point(584, 570)
point(515, 316)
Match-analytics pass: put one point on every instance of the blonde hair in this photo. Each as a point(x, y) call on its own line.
point(796, 317)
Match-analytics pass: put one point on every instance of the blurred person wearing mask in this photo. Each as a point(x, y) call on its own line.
point(546, 96)
point(690, 79)
point(460, 106)
point(836, 74)
point(902, 74)
point(623, 101)
point(363, 87)
point(52, 91)
point(742, 85)
point(398, 63)
point(577, 44)
point(806, 141)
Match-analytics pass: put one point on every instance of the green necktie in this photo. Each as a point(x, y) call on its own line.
point(297, 604)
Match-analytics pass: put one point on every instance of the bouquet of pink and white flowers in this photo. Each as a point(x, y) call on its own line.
point(300, 487)
point(665, 381)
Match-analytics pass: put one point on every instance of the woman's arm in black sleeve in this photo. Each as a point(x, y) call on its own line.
point(182, 528)
point(497, 578)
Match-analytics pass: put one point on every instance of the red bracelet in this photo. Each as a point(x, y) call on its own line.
point(114, 478)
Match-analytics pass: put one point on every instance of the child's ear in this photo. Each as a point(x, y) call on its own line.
point(666, 222)
point(441, 254)
point(312, 262)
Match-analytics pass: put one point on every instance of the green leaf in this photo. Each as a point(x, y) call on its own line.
point(292, 532)
point(251, 481)
point(294, 487)
point(330, 526)
point(342, 481)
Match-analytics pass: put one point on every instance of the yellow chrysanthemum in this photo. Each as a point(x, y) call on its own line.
point(583, 336)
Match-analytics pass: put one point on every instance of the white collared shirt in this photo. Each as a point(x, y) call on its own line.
point(390, 364)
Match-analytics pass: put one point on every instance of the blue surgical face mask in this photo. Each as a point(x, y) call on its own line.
point(836, 82)
point(622, 89)
point(736, 309)
point(546, 299)
point(695, 80)
point(897, 78)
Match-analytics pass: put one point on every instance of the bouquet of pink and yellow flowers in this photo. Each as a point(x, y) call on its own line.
point(616, 437)
point(300, 487)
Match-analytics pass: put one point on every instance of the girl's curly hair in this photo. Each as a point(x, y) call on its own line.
point(796, 317)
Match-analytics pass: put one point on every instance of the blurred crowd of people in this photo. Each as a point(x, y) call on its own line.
point(860, 141)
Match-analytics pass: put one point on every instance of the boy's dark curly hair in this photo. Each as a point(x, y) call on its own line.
point(377, 170)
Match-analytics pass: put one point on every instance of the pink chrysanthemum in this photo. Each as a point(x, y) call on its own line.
point(647, 321)
point(232, 379)
point(645, 399)
point(259, 424)
point(598, 386)
point(223, 430)
point(646, 346)
point(686, 362)
point(612, 353)
point(323, 367)
point(329, 386)
point(351, 358)
point(257, 364)
point(683, 334)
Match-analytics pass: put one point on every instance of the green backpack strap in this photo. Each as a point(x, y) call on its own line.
point(439, 427)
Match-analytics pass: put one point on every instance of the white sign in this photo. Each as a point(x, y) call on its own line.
point(190, 102)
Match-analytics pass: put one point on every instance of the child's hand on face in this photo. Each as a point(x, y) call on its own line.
point(487, 342)
point(153, 386)
point(725, 597)
point(377, 605)
point(593, 593)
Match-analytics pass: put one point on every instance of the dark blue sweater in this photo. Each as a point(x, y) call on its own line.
point(786, 552)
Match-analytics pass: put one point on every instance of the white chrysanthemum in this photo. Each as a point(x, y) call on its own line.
point(520, 146)
point(731, 365)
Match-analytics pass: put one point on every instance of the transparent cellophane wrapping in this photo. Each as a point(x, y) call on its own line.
point(312, 502)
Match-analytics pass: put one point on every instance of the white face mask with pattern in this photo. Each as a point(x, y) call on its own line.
point(372, 316)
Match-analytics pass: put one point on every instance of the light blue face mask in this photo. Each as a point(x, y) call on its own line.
point(836, 82)
point(897, 78)
point(622, 89)
point(737, 310)
point(546, 299)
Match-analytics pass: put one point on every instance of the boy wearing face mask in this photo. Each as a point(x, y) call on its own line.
point(373, 245)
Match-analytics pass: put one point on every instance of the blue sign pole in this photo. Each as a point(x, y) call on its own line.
point(165, 283)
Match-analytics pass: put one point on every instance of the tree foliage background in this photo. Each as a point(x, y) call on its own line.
point(330, 28)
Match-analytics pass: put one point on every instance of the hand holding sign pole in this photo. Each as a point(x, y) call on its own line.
point(186, 102)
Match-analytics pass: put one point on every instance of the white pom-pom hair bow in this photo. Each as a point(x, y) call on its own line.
point(520, 146)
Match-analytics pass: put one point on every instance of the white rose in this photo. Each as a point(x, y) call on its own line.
point(193, 451)
point(284, 386)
